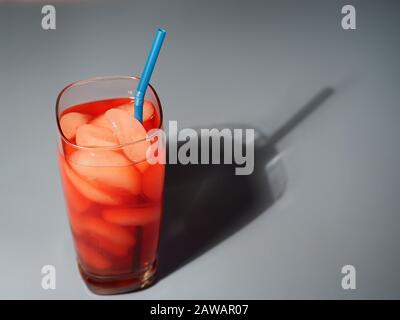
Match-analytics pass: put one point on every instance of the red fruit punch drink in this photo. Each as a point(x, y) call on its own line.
point(113, 194)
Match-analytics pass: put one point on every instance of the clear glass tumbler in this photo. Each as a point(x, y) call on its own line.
point(114, 196)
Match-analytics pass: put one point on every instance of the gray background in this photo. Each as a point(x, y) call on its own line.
point(254, 62)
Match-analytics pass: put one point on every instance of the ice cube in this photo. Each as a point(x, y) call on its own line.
point(108, 247)
point(101, 121)
point(148, 109)
point(129, 130)
point(80, 227)
point(76, 202)
point(108, 168)
point(99, 228)
point(88, 190)
point(89, 135)
point(153, 182)
point(74, 223)
point(91, 257)
point(137, 216)
point(142, 166)
point(71, 121)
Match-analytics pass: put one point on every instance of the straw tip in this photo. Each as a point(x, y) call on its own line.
point(161, 30)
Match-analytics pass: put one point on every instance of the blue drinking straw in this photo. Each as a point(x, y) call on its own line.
point(146, 74)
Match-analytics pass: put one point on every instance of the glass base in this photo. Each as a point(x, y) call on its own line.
point(121, 283)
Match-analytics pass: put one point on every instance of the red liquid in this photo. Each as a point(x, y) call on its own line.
point(114, 209)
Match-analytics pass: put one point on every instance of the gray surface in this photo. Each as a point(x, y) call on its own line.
point(342, 203)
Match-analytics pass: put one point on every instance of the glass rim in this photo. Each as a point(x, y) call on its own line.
point(100, 78)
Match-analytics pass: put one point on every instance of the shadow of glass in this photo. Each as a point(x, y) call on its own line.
point(205, 204)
